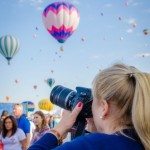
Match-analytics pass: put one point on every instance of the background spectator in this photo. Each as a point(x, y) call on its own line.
point(41, 126)
point(12, 137)
point(22, 121)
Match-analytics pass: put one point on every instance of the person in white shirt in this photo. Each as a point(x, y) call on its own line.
point(12, 137)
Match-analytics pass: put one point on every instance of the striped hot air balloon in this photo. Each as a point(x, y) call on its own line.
point(61, 19)
point(9, 46)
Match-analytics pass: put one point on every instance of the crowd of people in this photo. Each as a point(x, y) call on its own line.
point(120, 117)
point(17, 132)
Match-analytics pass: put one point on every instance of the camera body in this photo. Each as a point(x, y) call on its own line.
point(68, 99)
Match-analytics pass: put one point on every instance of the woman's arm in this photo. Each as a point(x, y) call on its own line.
point(23, 144)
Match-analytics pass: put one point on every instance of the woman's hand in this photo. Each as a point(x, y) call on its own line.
point(68, 119)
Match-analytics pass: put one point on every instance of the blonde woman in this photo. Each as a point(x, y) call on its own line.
point(41, 126)
point(121, 114)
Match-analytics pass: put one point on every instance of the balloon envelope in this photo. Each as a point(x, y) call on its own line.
point(45, 104)
point(61, 19)
point(30, 105)
point(9, 46)
point(50, 82)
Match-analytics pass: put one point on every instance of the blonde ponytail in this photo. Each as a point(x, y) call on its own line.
point(141, 108)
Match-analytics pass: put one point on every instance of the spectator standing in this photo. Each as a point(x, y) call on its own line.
point(50, 120)
point(41, 126)
point(3, 116)
point(22, 121)
point(12, 137)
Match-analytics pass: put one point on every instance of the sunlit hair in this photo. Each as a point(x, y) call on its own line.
point(44, 123)
point(14, 126)
point(129, 89)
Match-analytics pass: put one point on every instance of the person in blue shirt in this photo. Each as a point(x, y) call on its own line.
point(121, 114)
point(22, 121)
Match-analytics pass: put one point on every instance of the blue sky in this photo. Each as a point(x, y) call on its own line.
point(112, 31)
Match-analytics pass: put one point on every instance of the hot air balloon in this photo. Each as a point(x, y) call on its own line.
point(16, 81)
point(50, 82)
point(35, 87)
point(52, 71)
point(83, 39)
point(45, 104)
point(37, 28)
point(7, 98)
point(146, 31)
point(29, 105)
point(61, 49)
point(61, 19)
point(9, 46)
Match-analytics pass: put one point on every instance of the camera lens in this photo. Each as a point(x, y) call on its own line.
point(62, 97)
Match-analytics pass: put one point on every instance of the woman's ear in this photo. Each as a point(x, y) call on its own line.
point(104, 108)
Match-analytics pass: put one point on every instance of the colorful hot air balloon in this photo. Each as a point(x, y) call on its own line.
point(9, 46)
point(45, 104)
point(29, 105)
point(50, 82)
point(61, 19)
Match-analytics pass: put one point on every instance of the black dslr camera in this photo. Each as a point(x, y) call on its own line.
point(68, 99)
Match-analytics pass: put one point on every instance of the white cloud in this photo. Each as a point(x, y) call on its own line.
point(147, 10)
point(129, 30)
point(34, 3)
point(136, 4)
point(37, 1)
point(76, 2)
point(108, 5)
point(131, 21)
point(142, 55)
point(95, 56)
point(20, 1)
point(39, 8)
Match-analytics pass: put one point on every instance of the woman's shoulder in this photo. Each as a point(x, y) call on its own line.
point(104, 141)
point(45, 129)
point(20, 131)
point(107, 137)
